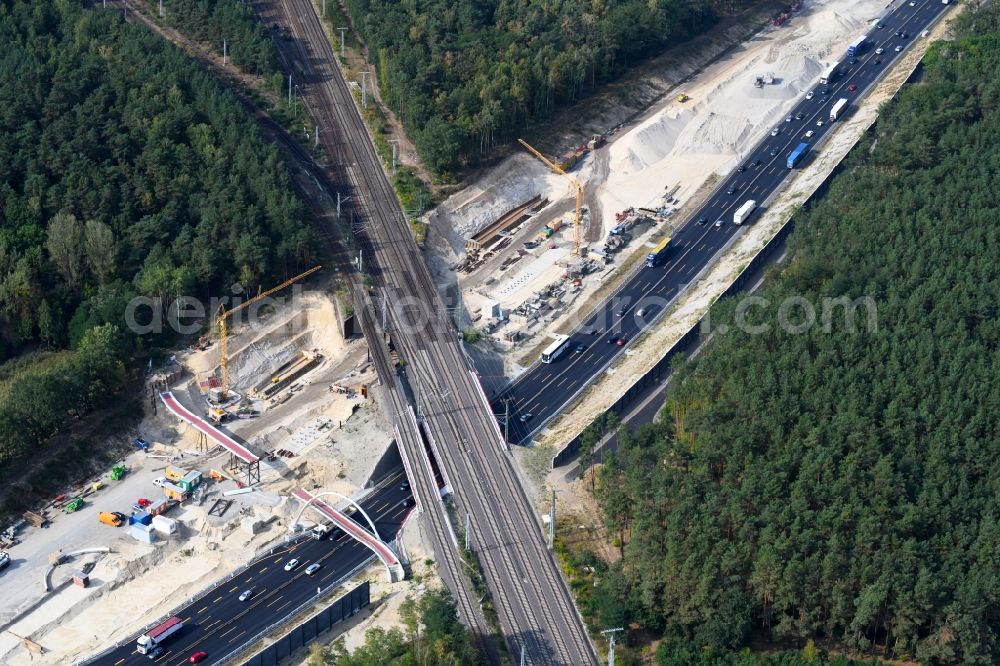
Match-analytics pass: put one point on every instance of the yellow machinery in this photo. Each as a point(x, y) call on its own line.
point(682, 98)
point(224, 332)
point(578, 220)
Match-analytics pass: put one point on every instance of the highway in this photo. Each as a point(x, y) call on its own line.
point(534, 607)
point(218, 621)
point(546, 389)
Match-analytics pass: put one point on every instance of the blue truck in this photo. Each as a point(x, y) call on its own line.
point(659, 253)
point(796, 155)
point(856, 46)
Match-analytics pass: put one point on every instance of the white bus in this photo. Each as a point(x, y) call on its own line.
point(556, 349)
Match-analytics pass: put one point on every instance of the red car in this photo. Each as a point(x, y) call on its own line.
point(197, 656)
point(621, 341)
point(852, 87)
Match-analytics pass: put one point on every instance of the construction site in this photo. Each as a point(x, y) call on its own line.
point(181, 510)
point(533, 243)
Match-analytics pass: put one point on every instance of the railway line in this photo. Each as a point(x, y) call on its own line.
point(535, 609)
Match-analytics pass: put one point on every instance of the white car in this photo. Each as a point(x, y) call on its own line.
point(776, 131)
point(809, 95)
point(899, 47)
point(879, 51)
point(913, 4)
point(819, 123)
point(809, 134)
point(160, 481)
point(312, 568)
point(292, 563)
point(246, 594)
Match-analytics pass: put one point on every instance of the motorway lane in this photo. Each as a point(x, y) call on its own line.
point(217, 620)
point(543, 391)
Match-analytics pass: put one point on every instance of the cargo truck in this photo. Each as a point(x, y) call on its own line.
point(743, 212)
point(659, 253)
point(797, 154)
point(159, 634)
point(838, 109)
point(830, 74)
point(856, 46)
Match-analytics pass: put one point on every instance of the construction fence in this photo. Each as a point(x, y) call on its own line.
point(300, 636)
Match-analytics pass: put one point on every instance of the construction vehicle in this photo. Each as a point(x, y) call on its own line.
point(118, 472)
point(109, 519)
point(158, 634)
point(224, 330)
point(73, 505)
point(682, 98)
point(578, 218)
point(36, 519)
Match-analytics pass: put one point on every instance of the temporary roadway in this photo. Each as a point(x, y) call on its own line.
point(546, 389)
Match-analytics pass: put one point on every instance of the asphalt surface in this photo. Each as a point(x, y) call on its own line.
point(217, 621)
point(545, 389)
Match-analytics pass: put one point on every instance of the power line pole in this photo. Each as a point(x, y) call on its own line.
point(161, 8)
point(342, 31)
point(394, 143)
point(364, 90)
point(611, 643)
point(552, 522)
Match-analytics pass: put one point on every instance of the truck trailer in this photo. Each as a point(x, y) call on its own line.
point(856, 46)
point(830, 74)
point(159, 634)
point(659, 253)
point(743, 212)
point(838, 109)
point(797, 154)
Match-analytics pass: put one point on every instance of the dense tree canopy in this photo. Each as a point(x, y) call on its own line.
point(464, 74)
point(835, 484)
point(125, 170)
point(212, 21)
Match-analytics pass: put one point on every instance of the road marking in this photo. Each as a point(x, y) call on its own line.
point(262, 570)
point(233, 589)
point(203, 609)
point(228, 631)
point(217, 599)
point(188, 618)
point(274, 601)
point(119, 661)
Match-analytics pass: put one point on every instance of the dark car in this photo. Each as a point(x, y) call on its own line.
point(733, 189)
point(741, 168)
point(800, 115)
point(580, 348)
point(774, 151)
point(155, 652)
point(622, 310)
point(903, 35)
point(898, 33)
point(826, 91)
point(757, 163)
point(880, 26)
point(702, 220)
point(612, 340)
point(877, 61)
point(852, 87)
point(405, 485)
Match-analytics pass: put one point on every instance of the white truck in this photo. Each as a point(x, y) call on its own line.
point(744, 211)
point(158, 634)
point(837, 109)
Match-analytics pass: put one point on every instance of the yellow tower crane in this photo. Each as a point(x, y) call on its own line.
point(578, 220)
point(224, 329)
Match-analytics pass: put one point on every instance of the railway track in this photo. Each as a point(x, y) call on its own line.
point(535, 609)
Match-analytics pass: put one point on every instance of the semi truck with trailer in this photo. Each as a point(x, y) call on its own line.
point(659, 253)
point(856, 46)
point(743, 212)
point(797, 154)
point(159, 634)
point(830, 74)
point(838, 109)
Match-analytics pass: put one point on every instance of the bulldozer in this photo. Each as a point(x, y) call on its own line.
point(118, 472)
